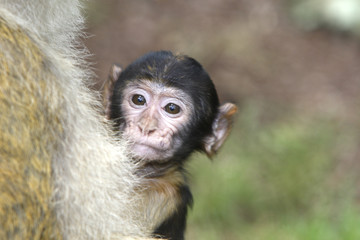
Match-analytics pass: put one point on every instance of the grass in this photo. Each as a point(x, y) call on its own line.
point(276, 179)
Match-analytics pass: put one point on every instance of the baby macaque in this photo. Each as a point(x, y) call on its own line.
point(167, 107)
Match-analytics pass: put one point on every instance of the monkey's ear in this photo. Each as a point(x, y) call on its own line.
point(109, 87)
point(221, 128)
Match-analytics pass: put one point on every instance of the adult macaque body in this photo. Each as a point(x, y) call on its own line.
point(62, 174)
point(167, 107)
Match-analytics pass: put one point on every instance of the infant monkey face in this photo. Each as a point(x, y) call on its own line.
point(154, 115)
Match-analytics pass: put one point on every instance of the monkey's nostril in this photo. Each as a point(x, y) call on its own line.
point(150, 131)
point(141, 129)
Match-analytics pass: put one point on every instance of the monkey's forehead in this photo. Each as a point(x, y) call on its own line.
point(158, 88)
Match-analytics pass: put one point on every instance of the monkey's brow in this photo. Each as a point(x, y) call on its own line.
point(159, 88)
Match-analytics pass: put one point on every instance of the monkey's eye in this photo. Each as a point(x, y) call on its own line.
point(138, 99)
point(172, 108)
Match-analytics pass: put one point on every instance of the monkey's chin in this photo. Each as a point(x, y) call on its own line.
point(148, 153)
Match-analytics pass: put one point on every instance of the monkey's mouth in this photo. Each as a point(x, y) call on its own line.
point(158, 146)
point(157, 143)
point(154, 147)
point(147, 151)
point(151, 151)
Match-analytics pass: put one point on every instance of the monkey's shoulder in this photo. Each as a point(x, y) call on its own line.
point(171, 196)
point(173, 227)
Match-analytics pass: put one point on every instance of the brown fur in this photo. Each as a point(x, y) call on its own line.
point(27, 124)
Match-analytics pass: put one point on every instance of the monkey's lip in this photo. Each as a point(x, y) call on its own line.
point(154, 143)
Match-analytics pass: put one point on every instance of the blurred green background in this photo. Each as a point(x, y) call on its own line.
point(290, 169)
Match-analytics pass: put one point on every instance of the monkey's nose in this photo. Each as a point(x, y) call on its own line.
point(147, 130)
